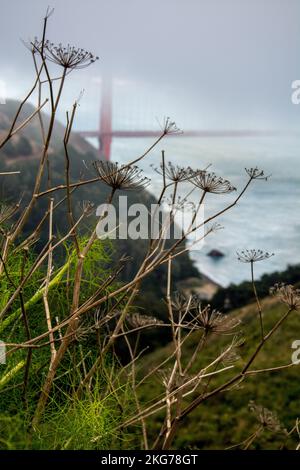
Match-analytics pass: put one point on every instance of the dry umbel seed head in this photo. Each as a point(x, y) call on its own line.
point(268, 419)
point(87, 207)
point(165, 376)
point(213, 321)
point(180, 204)
point(211, 183)
point(138, 320)
point(123, 177)
point(174, 173)
point(287, 294)
point(231, 355)
point(34, 46)
point(69, 57)
point(251, 256)
point(6, 211)
point(215, 227)
point(169, 127)
point(256, 174)
point(182, 304)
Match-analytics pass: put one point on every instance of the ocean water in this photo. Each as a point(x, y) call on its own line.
point(267, 216)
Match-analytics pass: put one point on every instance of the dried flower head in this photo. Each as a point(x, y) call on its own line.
point(268, 419)
point(230, 357)
point(124, 177)
point(69, 57)
point(165, 376)
point(256, 174)
point(169, 127)
point(211, 183)
point(174, 173)
point(231, 354)
point(138, 320)
point(213, 321)
point(215, 227)
point(251, 256)
point(87, 207)
point(182, 304)
point(180, 204)
point(7, 211)
point(287, 294)
point(35, 46)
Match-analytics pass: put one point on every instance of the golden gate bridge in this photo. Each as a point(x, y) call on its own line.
point(105, 133)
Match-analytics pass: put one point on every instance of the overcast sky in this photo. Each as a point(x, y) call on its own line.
point(230, 63)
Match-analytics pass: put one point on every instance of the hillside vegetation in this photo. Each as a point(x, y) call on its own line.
point(225, 420)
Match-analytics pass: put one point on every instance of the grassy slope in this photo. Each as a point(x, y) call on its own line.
point(225, 420)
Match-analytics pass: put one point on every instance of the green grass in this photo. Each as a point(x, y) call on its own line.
point(90, 422)
point(86, 424)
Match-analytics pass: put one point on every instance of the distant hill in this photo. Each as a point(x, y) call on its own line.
point(238, 295)
point(32, 133)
